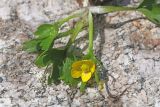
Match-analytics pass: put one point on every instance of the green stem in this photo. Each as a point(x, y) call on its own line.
point(75, 14)
point(96, 77)
point(90, 18)
point(64, 34)
point(79, 25)
point(82, 87)
point(77, 28)
point(108, 9)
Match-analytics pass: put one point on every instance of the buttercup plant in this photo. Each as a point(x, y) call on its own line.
point(73, 68)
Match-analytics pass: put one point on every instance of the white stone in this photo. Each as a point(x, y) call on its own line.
point(5, 13)
point(5, 102)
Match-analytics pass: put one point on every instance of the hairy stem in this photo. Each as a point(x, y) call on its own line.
point(108, 9)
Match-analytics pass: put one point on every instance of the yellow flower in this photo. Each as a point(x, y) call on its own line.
point(83, 69)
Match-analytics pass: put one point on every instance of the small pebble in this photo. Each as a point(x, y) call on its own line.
point(1, 79)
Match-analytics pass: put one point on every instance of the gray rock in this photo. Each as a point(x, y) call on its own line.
point(130, 62)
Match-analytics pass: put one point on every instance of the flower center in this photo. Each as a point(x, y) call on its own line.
point(85, 68)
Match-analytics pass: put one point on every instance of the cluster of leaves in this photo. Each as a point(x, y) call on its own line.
point(61, 59)
point(58, 58)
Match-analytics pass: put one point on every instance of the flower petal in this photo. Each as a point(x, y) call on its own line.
point(93, 68)
point(86, 76)
point(88, 62)
point(77, 64)
point(91, 65)
point(75, 73)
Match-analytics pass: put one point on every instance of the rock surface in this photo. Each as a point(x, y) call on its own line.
point(129, 51)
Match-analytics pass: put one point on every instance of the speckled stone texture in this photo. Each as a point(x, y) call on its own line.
point(127, 44)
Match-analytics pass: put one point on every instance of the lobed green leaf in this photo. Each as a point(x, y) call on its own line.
point(32, 45)
point(55, 56)
point(66, 72)
point(46, 30)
